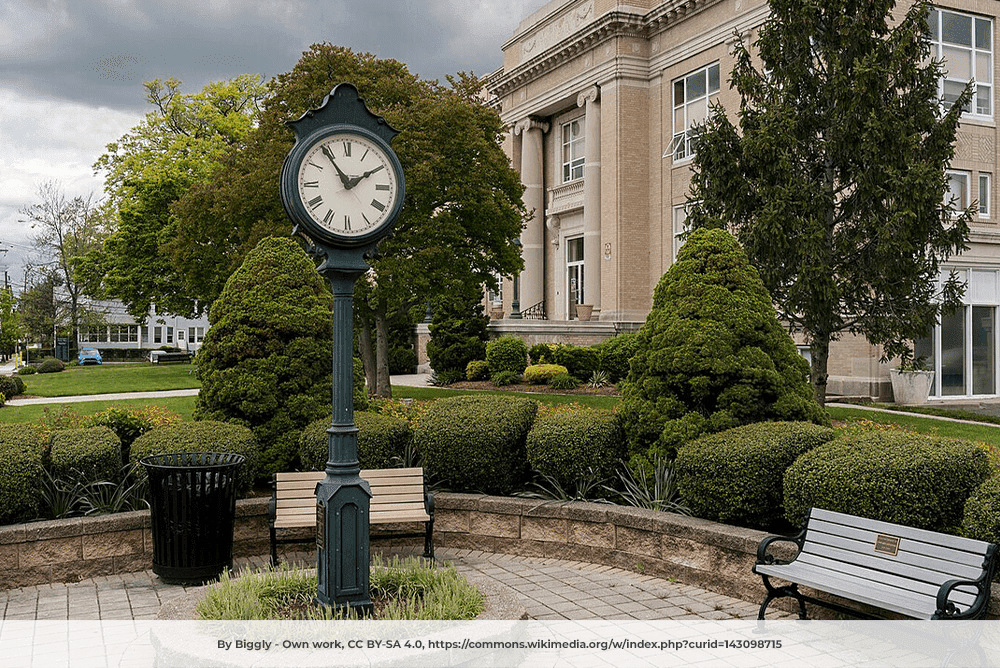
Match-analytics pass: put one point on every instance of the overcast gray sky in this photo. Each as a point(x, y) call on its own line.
point(71, 71)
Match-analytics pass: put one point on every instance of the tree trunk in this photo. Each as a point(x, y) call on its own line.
point(367, 353)
point(819, 349)
point(383, 384)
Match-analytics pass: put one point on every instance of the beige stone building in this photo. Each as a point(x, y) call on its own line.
point(600, 95)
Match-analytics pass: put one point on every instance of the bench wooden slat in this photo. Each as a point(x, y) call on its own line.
point(837, 535)
point(917, 566)
point(923, 535)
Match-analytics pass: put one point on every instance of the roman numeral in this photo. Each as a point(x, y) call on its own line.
point(347, 223)
point(382, 186)
point(378, 205)
point(311, 184)
point(319, 167)
point(315, 201)
point(328, 217)
point(347, 149)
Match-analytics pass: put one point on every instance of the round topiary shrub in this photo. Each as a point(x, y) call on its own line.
point(21, 453)
point(11, 386)
point(981, 519)
point(27, 370)
point(735, 476)
point(712, 354)
point(92, 453)
point(570, 445)
point(476, 443)
point(911, 479)
point(382, 439)
point(615, 354)
point(204, 436)
point(541, 374)
point(266, 361)
point(51, 365)
point(477, 370)
point(507, 353)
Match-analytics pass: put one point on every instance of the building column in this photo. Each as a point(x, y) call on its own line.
point(592, 198)
point(531, 280)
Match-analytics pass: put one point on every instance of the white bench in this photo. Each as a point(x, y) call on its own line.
point(399, 496)
point(913, 572)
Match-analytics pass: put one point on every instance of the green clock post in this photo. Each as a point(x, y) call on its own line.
point(342, 186)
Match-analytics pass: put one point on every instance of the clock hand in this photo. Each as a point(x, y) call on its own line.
point(343, 177)
point(355, 180)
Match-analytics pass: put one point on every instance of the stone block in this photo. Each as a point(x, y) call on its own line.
point(13, 533)
point(592, 534)
point(637, 541)
point(44, 553)
point(132, 563)
point(545, 529)
point(452, 521)
point(497, 525)
point(8, 555)
point(112, 544)
point(452, 501)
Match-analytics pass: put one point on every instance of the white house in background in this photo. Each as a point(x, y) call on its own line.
point(121, 331)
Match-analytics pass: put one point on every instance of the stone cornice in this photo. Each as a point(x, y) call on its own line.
point(613, 24)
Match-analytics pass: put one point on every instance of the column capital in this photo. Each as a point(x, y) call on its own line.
point(530, 123)
point(589, 95)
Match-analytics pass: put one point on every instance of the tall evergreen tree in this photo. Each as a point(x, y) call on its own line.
point(834, 181)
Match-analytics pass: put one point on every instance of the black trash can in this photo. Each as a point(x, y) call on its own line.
point(193, 513)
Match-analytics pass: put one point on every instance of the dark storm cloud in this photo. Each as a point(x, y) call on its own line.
point(100, 51)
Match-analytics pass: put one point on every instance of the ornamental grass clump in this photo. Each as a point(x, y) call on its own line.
point(912, 479)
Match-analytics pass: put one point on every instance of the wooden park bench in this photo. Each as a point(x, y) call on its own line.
point(399, 496)
point(161, 356)
point(913, 572)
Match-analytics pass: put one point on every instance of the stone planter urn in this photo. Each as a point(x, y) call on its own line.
point(584, 311)
point(911, 387)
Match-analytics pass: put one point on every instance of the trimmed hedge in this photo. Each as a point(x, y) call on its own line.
point(21, 453)
point(736, 476)
point(541, 374)
point(568, 446)
point(580, 362)
point(95, 453)
point(507, 353)
point(616, 353)
point(477, 370)
point(911, 479)
point(203, 436)
point(381, 439)
point(981, 519)
point(51, 365)
point(11, 386)
point(476, 443)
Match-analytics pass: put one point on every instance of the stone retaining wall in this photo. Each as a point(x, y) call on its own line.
point(713, 556)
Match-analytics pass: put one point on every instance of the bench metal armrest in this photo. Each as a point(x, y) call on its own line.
point(429, 503)
point(947, 609)
point(764, 558)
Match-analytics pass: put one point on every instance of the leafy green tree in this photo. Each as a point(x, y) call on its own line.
point(834, 181)
point(462, 210)
point(10, 322)
point(711, 355)
point(181, 142)
point(65, 229)
point(458, 332)
point(266, 361)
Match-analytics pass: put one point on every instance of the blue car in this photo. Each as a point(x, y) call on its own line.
point(89, 356)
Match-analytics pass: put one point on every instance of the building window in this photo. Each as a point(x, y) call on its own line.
point(124, 333)
point(170, 334)
point(93, 335)
point(573, 147)
point(957, 194)
point(574, 273)
point(196, 334)
point(692, 96)
point(495, 297)
point(681, 227)
point(157, 335)
point(965, 43)
point(984, 195)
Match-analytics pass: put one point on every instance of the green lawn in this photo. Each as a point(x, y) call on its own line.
point(982, 433)
point(19, 414)
point(94, 379)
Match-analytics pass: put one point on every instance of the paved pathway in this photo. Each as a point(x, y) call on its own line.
point(549, 589)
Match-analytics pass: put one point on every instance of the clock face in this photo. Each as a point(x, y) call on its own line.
point(348, 184)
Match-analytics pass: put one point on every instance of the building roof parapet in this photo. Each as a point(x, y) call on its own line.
point(616, 23)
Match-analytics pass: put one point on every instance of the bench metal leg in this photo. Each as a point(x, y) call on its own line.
point(781, 592)
point(274, 549)
point(429, 540)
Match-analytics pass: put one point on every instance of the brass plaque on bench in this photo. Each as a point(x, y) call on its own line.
point(320, 526)
point(887, 544)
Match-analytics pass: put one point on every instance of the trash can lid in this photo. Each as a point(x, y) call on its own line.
point(177, 460)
